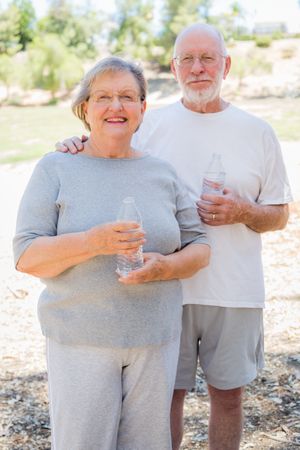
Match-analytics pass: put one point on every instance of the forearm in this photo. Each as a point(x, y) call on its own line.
point(186, 262)
point(231, 208)
point(182, 264)
point(49, 256)
point(262, 218)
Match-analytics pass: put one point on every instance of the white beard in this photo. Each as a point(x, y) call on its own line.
point(203, 96)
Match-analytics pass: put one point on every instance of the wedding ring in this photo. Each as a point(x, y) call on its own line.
point(213, 216)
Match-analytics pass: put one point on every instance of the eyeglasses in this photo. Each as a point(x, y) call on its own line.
point(124, 97)
point(207, 59)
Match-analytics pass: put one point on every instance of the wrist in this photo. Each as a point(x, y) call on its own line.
point(89, 243)
point(245, 213)
point(167, 267)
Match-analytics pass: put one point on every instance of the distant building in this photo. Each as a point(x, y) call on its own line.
point(268, 28)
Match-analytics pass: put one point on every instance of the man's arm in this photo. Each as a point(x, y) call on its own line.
point(231, 208)
point(262, 218)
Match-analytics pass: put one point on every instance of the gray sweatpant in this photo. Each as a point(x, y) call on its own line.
point(111, 398)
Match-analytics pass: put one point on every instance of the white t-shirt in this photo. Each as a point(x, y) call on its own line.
point(254, 167)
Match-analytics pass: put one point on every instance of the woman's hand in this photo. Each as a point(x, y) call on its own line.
point(154, 269)
point(49, 256)
point(116, 237)
point(182, 264)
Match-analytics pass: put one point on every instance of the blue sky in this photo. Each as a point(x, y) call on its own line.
point(257, 10)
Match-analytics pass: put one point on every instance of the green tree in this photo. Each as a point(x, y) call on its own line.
point(7, 70)
point(52, 66)
point(78, 31)
point(17, 24)
point(232, 23)
point(176, 16)
point(9, 31)
point(133, 34)
point(27, 21)
point(81, 34)
point(205, 8)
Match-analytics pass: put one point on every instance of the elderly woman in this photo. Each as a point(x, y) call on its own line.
point(112, 343)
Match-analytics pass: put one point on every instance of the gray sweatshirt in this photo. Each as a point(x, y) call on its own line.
point(86, 304)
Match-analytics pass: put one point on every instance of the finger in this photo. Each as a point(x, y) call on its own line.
point(206, 207)
point(78, 143)
point(70, 145)
point(84, 138)
point(128, 245)
point(213, 223)
point(210, 219)
point(213, 199)
point(205, 217)
point(128, 252)
point(135, 277)
point(129, 280)
point(133, 236)
point(210, 216)
point(59, 147)
point(125, 226)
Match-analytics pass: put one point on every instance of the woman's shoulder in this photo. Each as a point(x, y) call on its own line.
point(55, 159)
point(160, 165)
point(51, 157)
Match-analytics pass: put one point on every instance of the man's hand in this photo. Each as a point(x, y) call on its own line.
point(72, 145)
point(155, 269)
point(224, 209)
point(230, 208)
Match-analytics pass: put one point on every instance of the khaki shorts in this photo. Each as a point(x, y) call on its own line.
point(227, 341)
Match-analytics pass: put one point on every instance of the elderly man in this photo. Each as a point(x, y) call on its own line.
point(223, 304)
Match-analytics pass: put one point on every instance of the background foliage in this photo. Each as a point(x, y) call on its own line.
point(51, 52)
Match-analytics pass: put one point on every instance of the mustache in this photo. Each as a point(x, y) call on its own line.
point(192, 79)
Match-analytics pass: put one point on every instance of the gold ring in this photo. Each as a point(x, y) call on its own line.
point(213, 216)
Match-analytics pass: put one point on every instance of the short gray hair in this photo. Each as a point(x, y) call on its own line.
point(110, 64)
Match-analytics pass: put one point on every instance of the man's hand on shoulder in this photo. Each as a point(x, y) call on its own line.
point(72, 145)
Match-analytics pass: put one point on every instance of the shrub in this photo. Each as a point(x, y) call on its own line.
point(244, 37)
point(251, 64)
point(263, 41)
point(288, 52)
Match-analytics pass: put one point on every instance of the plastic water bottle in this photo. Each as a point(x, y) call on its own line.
point(214, 177)
point(127, 263)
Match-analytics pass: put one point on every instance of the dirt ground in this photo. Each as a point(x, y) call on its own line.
point(272, 402)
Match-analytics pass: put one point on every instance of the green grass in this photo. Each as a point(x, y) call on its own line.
point(287, 126)
point(282, 114)
point(30, 132)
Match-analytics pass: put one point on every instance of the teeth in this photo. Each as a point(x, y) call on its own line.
point(119, 119)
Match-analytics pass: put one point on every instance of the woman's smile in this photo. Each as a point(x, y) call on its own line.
point(116, 120)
